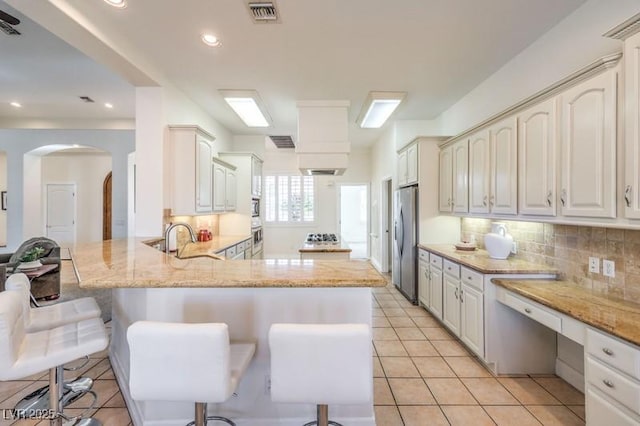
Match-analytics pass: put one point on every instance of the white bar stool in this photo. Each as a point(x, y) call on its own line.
point(321, 364)
point(186, 362)
point(24, 354)
point(46, 318)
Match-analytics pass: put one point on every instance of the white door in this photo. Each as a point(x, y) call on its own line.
point(423, 282)
point(354, 219)
point(435, 304)
point(219, 187)
point(402, 168)
point(204, 152)
point(589, 148)
point(230, 189)
point(61, 212)
point(460, 169)
point(479, 174)
point(472, 319)
point(504, 167)
point(451, 303)
point(412, 164)
point(537, 159)
point(446, 179)
point(632, 127)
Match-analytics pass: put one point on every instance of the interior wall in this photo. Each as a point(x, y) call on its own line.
point(32, 202)
point(88, 172)
point(572, 44)
point(17, 143)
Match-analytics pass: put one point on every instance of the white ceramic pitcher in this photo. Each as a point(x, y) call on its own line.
point(498, 242)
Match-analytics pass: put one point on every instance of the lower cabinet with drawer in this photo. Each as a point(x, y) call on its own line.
point(423, 278)
point(612, 376)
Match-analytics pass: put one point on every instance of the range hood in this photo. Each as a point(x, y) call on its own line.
point(323, 141)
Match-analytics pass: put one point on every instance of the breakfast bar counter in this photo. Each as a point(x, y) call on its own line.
point(248, 295)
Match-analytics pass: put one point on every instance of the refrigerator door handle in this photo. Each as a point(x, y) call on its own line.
point(401, 239)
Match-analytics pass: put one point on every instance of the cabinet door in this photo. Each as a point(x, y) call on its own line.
point(219, 187)
point(256, 177)
point(423, 282)
point(412, 164)
point(601, 410)
point(402, 168)
point(435, 304)
point(204, 153)
point(589, 147)
point(472, 319)
point(230, 190)
point(537, 159)
point(632, 127)
point(451, 303)
point(460, 169)
point(446, 180)
point(479, 172)
point(504, 167)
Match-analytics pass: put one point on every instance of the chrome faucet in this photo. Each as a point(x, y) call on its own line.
point(194, 238)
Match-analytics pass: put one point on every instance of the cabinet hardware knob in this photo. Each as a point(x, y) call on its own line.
point(456, 293)
point(627, 195)
point(563, 197)
point(469, 278)
point(527, 310)
point(491, 198)
point(607, 351)
point(608, 383)
point(461, 299)
point(484, 201)
point(549, 201)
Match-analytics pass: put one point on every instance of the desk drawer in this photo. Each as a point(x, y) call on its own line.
point(534, 311)
point(614, 384)
point(614, 353)
point(435, 260)
point(472, 278)
point(452, 269)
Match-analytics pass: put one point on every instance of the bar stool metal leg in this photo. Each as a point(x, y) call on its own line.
point(201, 418)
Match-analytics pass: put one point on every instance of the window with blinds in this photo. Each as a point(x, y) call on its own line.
point(289, 199)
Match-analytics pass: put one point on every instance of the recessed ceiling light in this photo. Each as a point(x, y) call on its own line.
point(378, 107)
point(120, 4)
point(108, 105)
point(248, 105)
point(16, 104)
point(211, 40)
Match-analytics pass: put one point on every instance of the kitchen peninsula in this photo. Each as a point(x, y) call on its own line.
point(248, 295)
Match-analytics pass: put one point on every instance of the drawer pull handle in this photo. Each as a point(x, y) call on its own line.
point(608, 383)
point(456, 294)
point(469, 278)
point(607, 351)
point(527, 310)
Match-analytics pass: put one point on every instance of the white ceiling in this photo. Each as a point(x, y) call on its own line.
point(436, 50)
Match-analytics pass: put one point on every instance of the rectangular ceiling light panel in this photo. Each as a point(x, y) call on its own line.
point(248, 106)
point(378, 108)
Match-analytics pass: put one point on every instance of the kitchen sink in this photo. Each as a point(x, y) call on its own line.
point(159, 244)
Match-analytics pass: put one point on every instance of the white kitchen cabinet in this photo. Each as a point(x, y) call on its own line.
point(503, 198)
point(451, 303)
point(191, 151)
point(247, 179)
point(479, 172)
point(407, 165)
point(256, 177)
point(222, 171)
point(460, 172)
point(588, 159)
point(445, 185)
point(435, 285)
point(472, 318)
point(537, 159)
point(602, 410)
point(631, 190)
point(423, 278)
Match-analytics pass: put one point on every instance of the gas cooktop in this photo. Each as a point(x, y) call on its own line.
point(321, 239)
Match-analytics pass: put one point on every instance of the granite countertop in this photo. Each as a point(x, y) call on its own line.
point(480, 261)
point(129, 263)
point(211, 247)
point(325, 248)
point(611, 314)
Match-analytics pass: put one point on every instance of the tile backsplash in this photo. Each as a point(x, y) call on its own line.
point(568, 248)
point(209, 222)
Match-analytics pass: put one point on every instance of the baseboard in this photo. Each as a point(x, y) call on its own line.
point(376, 265)
point(132, 406)
point(570, 375)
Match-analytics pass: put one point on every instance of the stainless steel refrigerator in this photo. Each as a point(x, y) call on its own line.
point(405, 265)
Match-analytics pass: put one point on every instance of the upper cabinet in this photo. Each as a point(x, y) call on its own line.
point(224, 186)
point(537, 159)
point(191, 151)
point(407, 165)
point(242, 184)
point(256, 177)
point(445, 185)
point(631, 188)
point(479, 172)
point(588, 159)
point(460, 172)
point(503, 198)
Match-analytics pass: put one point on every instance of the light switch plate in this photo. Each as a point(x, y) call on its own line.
point(594, 265)
point(609, 268)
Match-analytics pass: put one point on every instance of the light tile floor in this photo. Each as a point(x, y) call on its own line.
point(422, 376)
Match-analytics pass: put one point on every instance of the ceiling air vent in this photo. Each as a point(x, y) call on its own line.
point(322, 172)
point(282, 141)
point(86, 99)
point(7, 22)
point(263, 11)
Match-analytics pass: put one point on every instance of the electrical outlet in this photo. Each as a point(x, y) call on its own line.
point(514, 248)
point(594, 265)
point(609, 268)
